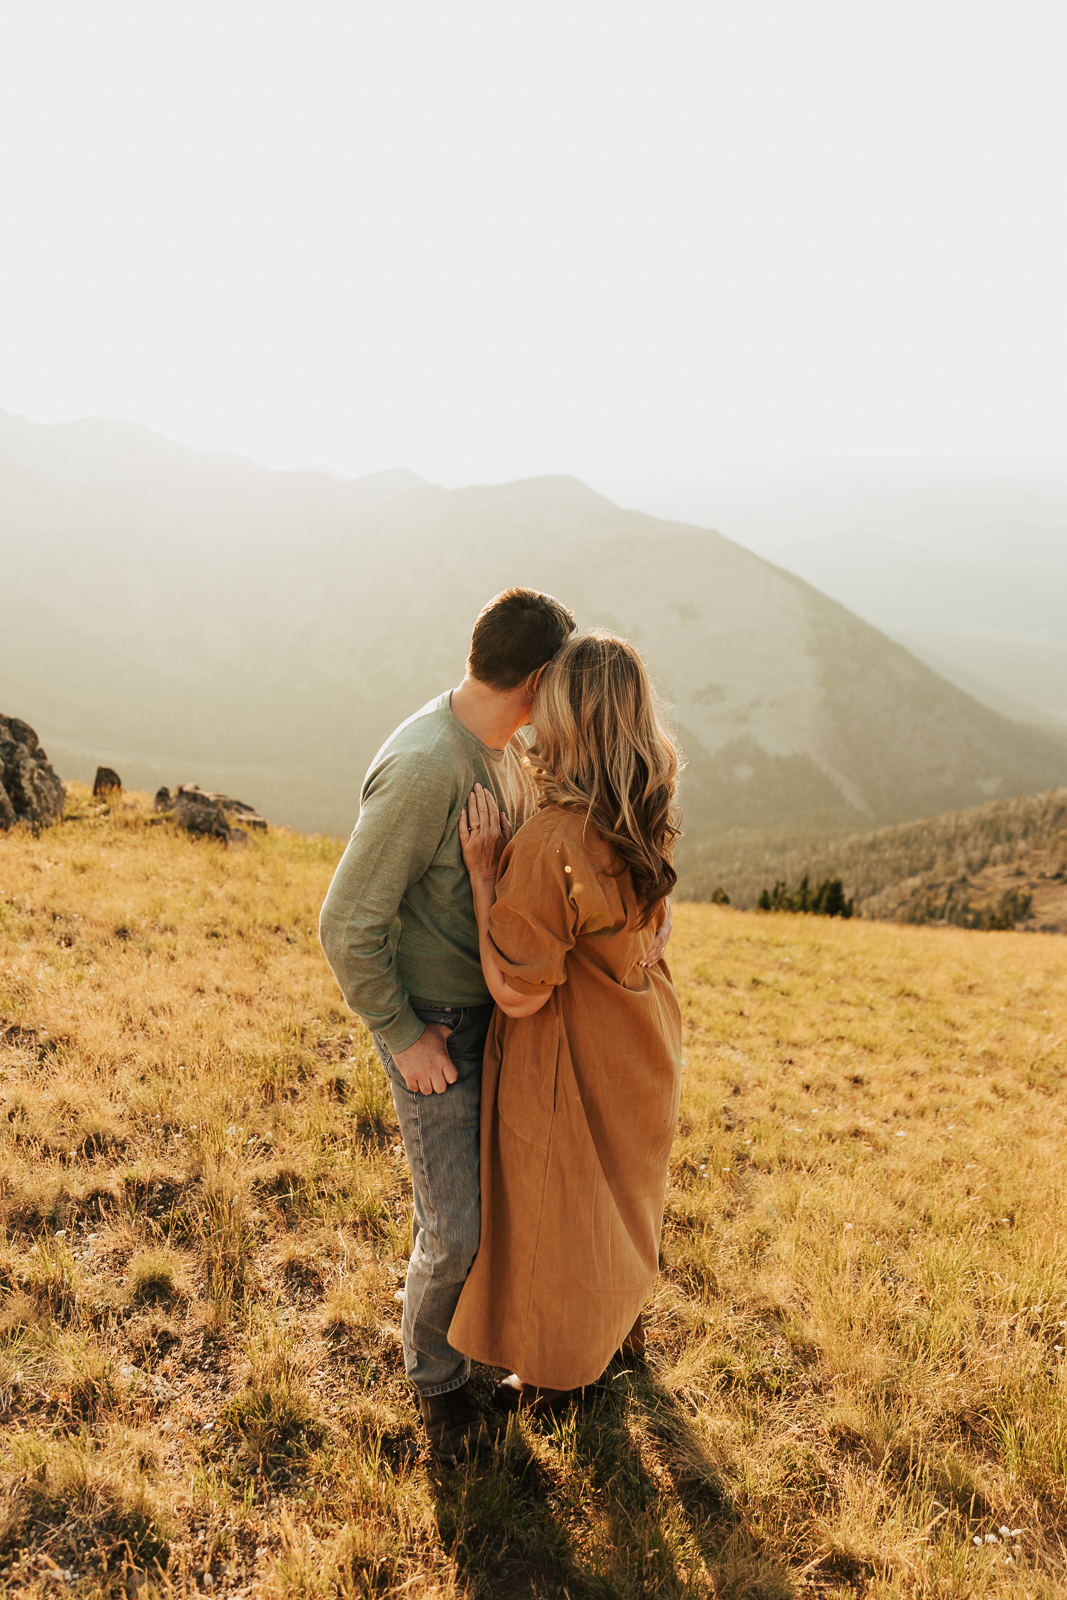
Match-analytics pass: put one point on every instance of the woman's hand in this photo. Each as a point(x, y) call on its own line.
point(659, 943)
point(484, 830)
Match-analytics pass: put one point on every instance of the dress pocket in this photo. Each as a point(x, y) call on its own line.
point(529, 1069)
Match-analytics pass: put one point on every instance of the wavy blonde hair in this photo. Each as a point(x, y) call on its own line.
point(601, 746)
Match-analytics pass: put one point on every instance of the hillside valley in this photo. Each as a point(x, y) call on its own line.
point(1003, 864)
point(191, 617)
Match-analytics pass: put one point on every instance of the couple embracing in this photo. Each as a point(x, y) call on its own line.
point(498, 921)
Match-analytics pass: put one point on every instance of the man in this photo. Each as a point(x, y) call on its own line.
point(399, 931)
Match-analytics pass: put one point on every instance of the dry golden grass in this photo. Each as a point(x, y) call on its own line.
point(856, 1361)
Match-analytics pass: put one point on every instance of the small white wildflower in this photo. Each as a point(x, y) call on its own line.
point(901, 1134)
point(1005, 1533)
point(1008, 1561)
point(1058, 1349)
point(990, 1538)
point(1016, 1532)
point(61, 1233)
point(977, 1539)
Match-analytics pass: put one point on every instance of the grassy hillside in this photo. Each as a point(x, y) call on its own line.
point(959, 867)
point(856, 1375)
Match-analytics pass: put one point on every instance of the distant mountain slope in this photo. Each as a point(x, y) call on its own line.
point(987, 609)
point(1010, 854)
point(263, 632)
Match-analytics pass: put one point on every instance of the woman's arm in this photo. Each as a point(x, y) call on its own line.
point(483, 833)
point(510, 1001)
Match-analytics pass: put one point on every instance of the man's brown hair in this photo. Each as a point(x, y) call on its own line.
point(517, 632)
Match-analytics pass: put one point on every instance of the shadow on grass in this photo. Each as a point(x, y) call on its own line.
point(617, 1498)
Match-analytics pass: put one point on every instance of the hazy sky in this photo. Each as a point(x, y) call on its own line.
point(488, 239)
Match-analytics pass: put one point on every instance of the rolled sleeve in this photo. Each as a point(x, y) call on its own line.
point(534, 921)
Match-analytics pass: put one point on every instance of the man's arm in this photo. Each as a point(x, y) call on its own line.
point(402, 820)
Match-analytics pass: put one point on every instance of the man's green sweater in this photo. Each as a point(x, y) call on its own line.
point(398, 921)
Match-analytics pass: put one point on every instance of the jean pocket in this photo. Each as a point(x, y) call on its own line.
point(446, 1019)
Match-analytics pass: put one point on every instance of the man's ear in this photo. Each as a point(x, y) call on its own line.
point(534, 680)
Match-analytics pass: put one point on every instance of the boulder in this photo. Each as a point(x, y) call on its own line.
point(199, 813)
point(208, 812)
point(107, 781)
point(30, 791)
point(245, 814)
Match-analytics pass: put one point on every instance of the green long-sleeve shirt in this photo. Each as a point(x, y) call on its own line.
point(398, 921)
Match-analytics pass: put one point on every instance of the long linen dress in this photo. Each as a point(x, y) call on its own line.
point(579, 1105)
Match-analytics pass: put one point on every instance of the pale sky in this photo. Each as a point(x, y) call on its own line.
point(488, 239)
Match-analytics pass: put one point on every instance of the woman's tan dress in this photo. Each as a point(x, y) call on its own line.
point(579, 1104)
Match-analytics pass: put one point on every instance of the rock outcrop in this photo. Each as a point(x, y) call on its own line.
point(218, 816)
point(30, 791)
point(107, 781)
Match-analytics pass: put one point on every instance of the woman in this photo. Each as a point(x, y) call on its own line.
point(581, 1074)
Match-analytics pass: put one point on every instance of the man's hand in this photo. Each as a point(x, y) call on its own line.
point(659, 943)
point(426, 1066)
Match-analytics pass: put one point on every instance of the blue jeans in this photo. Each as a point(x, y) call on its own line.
point(441, 1140)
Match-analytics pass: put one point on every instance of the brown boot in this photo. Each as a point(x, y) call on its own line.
point(634, 1343)
point(511, 1394)
point(454, 1427)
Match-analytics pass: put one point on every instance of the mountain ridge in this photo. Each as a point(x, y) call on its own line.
point(273, 631)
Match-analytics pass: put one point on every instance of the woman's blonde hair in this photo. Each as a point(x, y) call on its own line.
point(600, 745)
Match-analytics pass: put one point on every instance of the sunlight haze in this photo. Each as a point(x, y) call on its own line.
point(637, 244)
